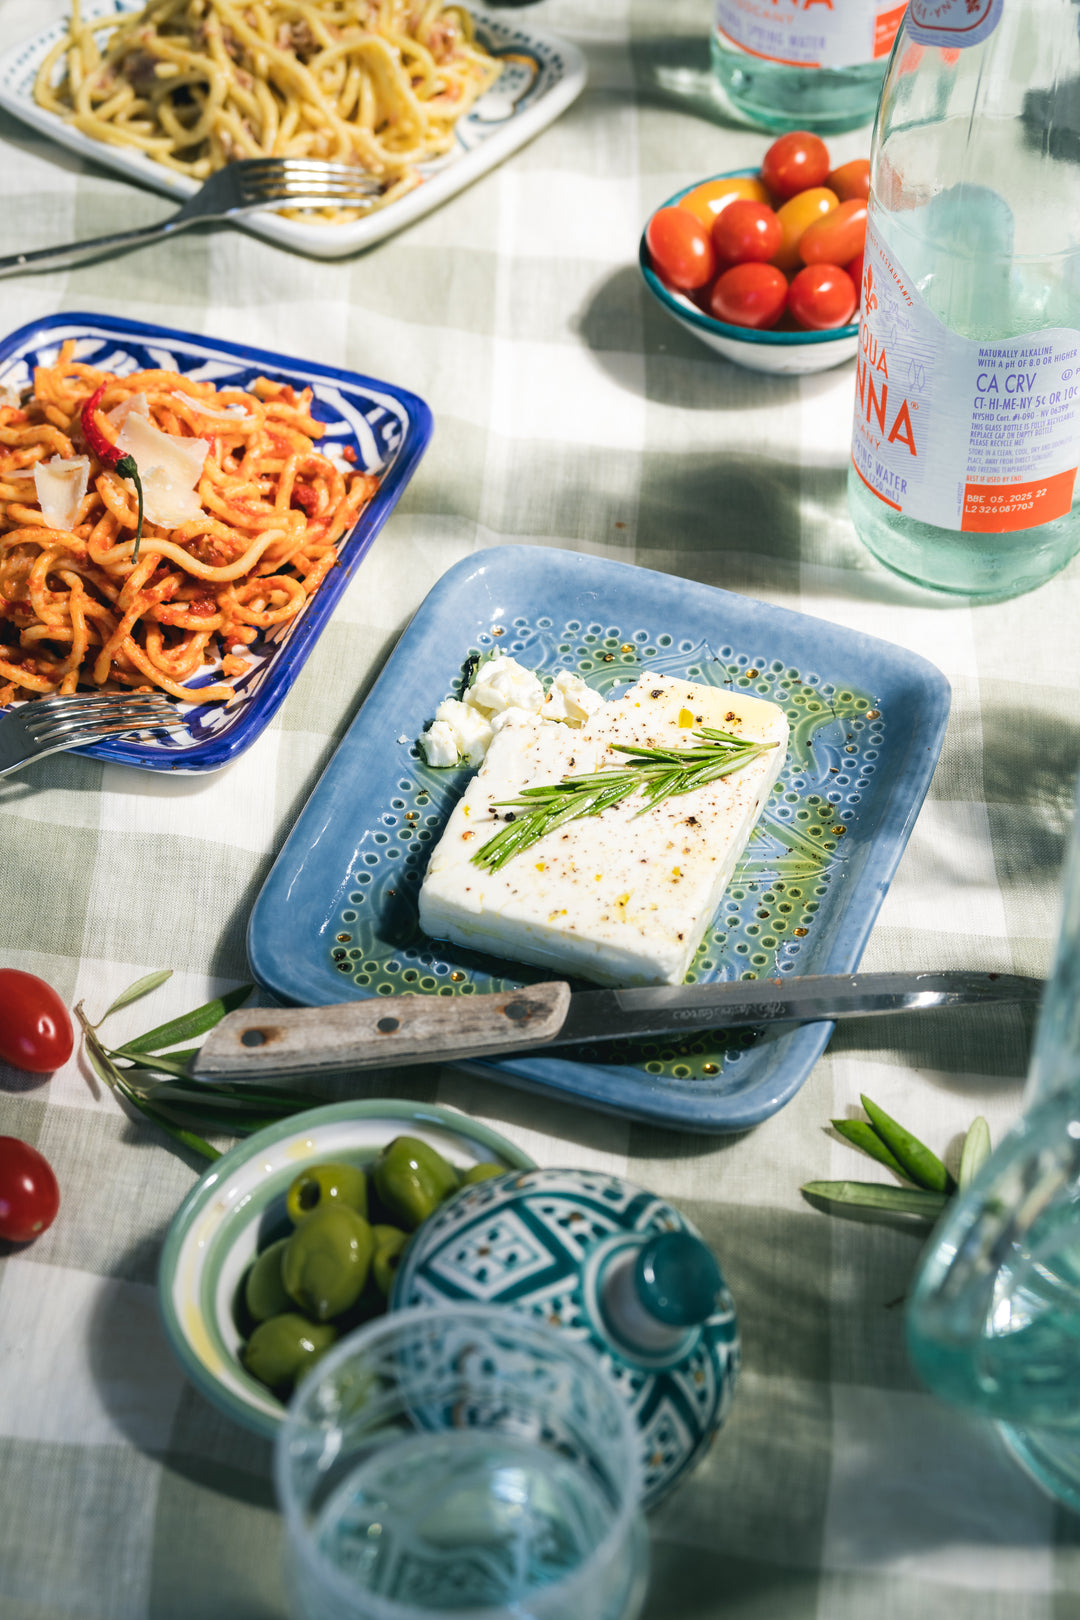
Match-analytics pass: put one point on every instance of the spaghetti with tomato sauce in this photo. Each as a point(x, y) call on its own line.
point(243, 515)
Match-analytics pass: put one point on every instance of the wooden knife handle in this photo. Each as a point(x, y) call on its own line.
point(266, 1043)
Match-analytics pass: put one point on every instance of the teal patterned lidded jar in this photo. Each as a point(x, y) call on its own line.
point(616, 1267)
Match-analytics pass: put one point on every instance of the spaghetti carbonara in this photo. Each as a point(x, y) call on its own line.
point(242, 519)
point(195, 84)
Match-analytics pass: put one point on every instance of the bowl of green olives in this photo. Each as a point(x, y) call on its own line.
point(293, 1238)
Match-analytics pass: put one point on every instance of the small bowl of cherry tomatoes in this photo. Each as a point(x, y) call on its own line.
point(765, 266)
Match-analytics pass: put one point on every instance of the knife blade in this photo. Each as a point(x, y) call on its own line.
point(263, 1043)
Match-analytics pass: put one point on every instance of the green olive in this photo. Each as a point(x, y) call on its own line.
point(325, 1263)
point(390, 1243)
point(482, 1172)
point(412, 1179)
point(326, 1185)
point(264, 1291)
point(282, 1349)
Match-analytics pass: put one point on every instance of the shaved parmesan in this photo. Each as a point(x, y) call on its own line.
point(169, 467)
point(134, 402)
point(61, 486)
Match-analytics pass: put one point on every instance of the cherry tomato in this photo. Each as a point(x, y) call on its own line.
point(29, 1195)
point(746, 231)
point(796, 216)
point(851, 180)
point(749, 295)
point(35, 1030)
point(680, 248)
point(854, 270)
point(822, 296)
point(795, 162)
point(837, 236)
point(708, 199)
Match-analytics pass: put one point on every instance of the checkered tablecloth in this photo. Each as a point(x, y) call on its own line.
point(570, 412)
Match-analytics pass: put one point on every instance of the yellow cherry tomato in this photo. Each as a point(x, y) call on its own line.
point(795, 215)
point(707, 200)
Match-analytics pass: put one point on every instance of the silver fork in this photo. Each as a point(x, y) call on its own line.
point(49, 725)
point(238, 188)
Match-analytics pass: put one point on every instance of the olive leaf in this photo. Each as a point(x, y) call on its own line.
point(115, 1080)
point(141, 987)
point(177, 1104)
point(877, 1195)
point(199, 1022)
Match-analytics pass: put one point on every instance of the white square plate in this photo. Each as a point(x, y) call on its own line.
point(541, 77)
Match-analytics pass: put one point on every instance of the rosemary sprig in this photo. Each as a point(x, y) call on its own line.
point(658, 773)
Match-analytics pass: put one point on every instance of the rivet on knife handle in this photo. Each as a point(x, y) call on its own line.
point(265, 1042)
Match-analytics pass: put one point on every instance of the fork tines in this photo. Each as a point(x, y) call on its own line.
point(50, 720)
point(288, 178)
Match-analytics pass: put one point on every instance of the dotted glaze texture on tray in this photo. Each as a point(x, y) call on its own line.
point(767, 915)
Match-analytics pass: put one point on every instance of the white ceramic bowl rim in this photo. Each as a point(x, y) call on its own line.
point(573, 1589)
point(708, 323)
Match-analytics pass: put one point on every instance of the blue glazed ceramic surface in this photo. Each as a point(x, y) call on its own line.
point(337, 916)
point(541, 1241)
point(388, 430)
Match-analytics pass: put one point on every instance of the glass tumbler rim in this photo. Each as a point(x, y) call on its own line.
point(367, 1339)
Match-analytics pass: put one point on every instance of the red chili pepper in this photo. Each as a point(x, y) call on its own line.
point(107, 452)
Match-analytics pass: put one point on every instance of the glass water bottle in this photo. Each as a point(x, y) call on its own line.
point(967, 403)
point(803, 64)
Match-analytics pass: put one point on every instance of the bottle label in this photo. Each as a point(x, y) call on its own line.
point(810, 33)
point(977, 435)
point(953, 24)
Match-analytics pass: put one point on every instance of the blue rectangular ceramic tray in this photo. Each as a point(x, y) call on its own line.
point(387, 429)
point(337, 917)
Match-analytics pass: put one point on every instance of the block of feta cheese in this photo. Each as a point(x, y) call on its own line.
point(620, 898)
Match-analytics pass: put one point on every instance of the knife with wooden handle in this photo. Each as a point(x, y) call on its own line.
point(263, 1043)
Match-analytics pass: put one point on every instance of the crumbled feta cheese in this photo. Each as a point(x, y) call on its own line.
point(472, 730)
point(502, 683)
point(439, 744)
point(569, 699)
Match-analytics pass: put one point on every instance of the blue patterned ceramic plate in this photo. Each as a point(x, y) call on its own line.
point(541, 76)
point(387, 428)
point(337, 917)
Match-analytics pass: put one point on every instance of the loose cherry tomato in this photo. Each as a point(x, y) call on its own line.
point(796, 216)
point(680, 248)
point(795, 162)
point(837, 236)
point(708, 199)
point(749, 295)
point(851, 180)
point(29, 1194)
point(822, 296)
point(35, 1030)
point(746, 231)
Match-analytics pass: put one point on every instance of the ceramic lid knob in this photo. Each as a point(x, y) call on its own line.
point(677, 1279)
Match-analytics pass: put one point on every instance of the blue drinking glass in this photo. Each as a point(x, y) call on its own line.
point(461, 1459)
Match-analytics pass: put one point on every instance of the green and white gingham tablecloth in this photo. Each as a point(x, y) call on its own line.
point(569, 412)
